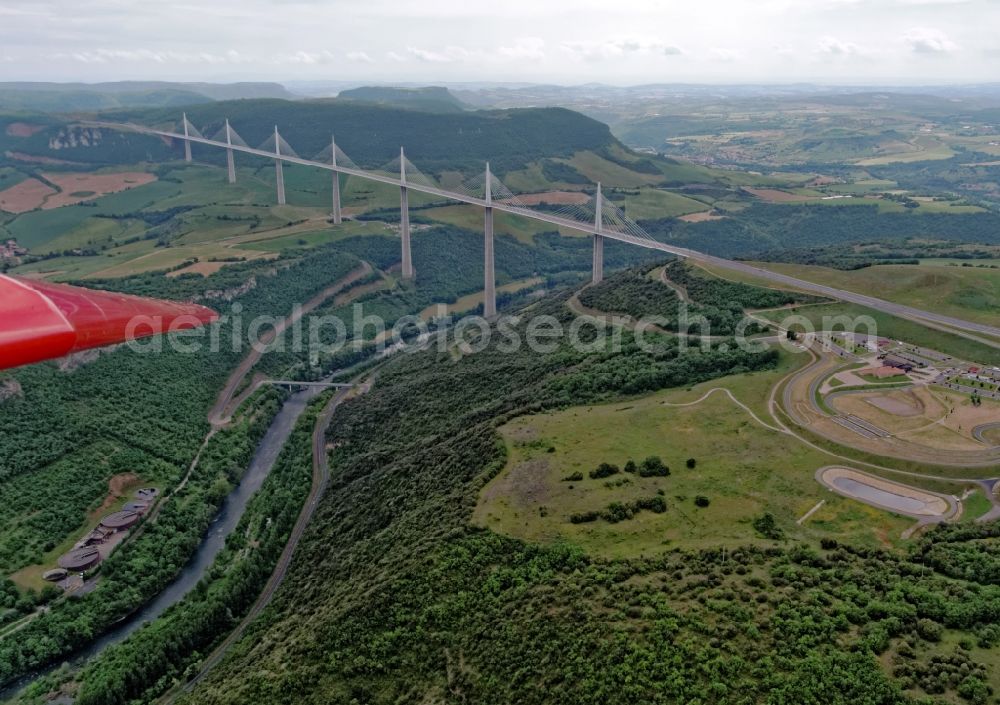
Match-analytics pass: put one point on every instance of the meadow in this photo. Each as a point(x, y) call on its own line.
point(970, 293)
point(744, 467)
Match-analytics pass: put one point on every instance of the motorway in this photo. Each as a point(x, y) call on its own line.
point(648, 242)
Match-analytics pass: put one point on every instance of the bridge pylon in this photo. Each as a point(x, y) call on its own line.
point(336, 183)
point(187, 141)
point(230, 161)
point(489, 276)
point(404, 218)
point(598, 262)
point(279, 174)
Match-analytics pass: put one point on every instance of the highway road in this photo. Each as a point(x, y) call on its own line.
point(647, 241)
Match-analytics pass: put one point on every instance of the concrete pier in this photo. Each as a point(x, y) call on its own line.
point(489, 277)
point(336, 183)
point(598, 263)
point(187, 142)
point(279, 174)
point(404, 218)
point(230, 162)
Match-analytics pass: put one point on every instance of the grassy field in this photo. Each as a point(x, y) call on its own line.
point(471, 218)
point(313, 238)
point(599, 169)
point(975, 505)
point(657, 203)
point(964, 292)
point(743, 468)
point(926, 149)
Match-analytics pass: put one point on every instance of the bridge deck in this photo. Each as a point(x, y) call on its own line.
point(958, 326)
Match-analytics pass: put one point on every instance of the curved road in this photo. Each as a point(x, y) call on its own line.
point(320, 478)
point(219, 415)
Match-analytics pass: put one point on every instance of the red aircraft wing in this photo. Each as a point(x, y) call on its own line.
point(41, 320)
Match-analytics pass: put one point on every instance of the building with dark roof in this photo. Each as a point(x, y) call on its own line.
point(120, 520)
point(79, 559)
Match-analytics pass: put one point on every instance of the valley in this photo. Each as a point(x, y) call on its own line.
point(739, 502)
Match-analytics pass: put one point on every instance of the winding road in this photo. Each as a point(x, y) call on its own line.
point(320, 479)
point(221, 412)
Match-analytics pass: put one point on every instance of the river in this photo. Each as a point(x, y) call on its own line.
point(212, 543)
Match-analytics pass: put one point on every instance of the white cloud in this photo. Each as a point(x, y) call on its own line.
point(618, 48)
point(923, 40)
point(445, 56)
point(308, 58)
point(524, 48)
point(723, 54)
point(104, 56)
point(831, 46)
point(561, 41)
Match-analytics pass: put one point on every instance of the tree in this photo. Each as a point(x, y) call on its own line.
point(653, 467)
point(604, 470)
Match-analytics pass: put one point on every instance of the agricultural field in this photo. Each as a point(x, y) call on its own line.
point(658, 203)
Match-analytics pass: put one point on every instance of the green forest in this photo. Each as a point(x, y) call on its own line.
point(409, 603)
point(767, 227)
point(721, 303)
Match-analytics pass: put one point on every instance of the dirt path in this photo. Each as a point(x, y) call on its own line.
point(678, 289)
point(736, 401)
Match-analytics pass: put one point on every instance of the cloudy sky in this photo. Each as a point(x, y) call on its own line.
point(620, 42)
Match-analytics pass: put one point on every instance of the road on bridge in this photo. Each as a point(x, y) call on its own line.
point(630, 233)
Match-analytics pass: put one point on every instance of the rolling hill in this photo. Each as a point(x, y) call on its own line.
point(430, 98)
point(72, 97)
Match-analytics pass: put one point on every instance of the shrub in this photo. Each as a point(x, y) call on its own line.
point(701, 501)
point(583, 518)
point(630, 465)
point(691, 462)
point(766, 526)
point(616, 512)
point(604, 470)
point(653, 504)
point(574, 477)
point(929, 630)
point(653, 467)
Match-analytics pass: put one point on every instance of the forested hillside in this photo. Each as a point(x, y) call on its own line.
point(637, 294)
point(767, 227)
point(371, 134)
point(393, 597)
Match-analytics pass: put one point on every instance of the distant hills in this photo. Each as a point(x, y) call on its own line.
point(89, 97)
point(430, 98)
point(538, 148)
point(372, 134)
